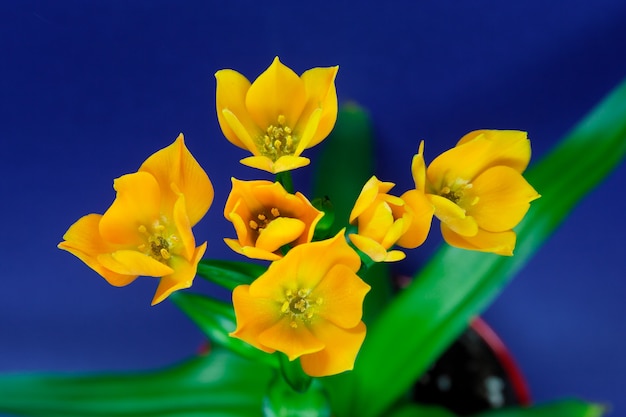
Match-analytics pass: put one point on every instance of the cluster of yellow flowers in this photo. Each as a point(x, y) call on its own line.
point(308, 304)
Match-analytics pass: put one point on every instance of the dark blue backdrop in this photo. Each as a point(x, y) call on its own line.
point(89, 89)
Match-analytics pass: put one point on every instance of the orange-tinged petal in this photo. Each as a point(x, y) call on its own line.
point(292, 341)
point(479, 152)
point(83, 240)
point(453, 216)
point(182, 277)
point(504, 197)
point(254, 315)
point(230, 94)
point(137, 203)
point(342, 347)
point(284, 163)
point(418, 169)
point(341, 293)
point(422, 211)
point(279, 232)
point(176, 165)
point(397, 229)
point(501, 243)
point(322, 94)
point(132, 262)
point(277, 91)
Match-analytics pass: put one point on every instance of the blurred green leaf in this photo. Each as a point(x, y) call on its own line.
point(563, 408)
point(216, 319)
point(219, 384)
point(229, 274)
point(457, 285)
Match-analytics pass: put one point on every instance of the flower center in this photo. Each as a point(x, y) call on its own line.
point(299, 306)
point(263, 219)
point(157, 245)
point(278, 140)
point(457, 192)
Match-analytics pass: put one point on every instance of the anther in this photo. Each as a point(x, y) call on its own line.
point(261, 217)
point(293, 324)
point(253, 225)
point(142, 229)
point(281, 119)
point(165, 253)
point(275, 212)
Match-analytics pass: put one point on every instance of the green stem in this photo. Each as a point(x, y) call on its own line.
point(285, 179)
point(294, 375)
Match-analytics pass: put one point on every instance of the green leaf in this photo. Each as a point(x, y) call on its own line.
point(457, 285)
point(216, 319)
point(229, 274)
point(345, 163)
point(218, 384)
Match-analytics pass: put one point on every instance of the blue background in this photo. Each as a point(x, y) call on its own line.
point(90, 89)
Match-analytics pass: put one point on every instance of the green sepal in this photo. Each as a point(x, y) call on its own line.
point(216, 319)
point(282, 401)
point(456, 285)
point(229, 274)
point(218, 384)
point(293, 374)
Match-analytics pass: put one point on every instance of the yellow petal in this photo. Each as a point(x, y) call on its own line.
point(254, 315)
point(341, 293)
point(342, 347)
point(176, 165)
point(504, 197)
point(132, 262)
point(251, 251)
point(137, 203)
point(376, 221)
point(83, 240)
point(293, 342)
point(321, 93)
point(418, 169)
point(394, 256)
point(279, 232)
point(284, 163)
point(230, 94)
point(370, 247)
point(501, 243)
point(186, 242)
point(182, 277)
point(277, 91)
point(372, 188)
point(422, 211)
point(453, 216)
point(479, 151)
point(309, 128)
point(305, 266)
point(247, 137)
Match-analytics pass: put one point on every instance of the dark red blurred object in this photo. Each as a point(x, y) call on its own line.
point(477, 373)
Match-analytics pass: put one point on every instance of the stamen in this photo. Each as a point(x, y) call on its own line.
point(253, 225)
point(281, 119)
point(275, 212)
point(278, 140)
point(165, 254)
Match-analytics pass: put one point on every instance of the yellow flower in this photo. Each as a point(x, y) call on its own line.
point(266, 218)
point(279, 115)
point(147, 229)
point(384, 220)
point(478, 190)
point(307, 305)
